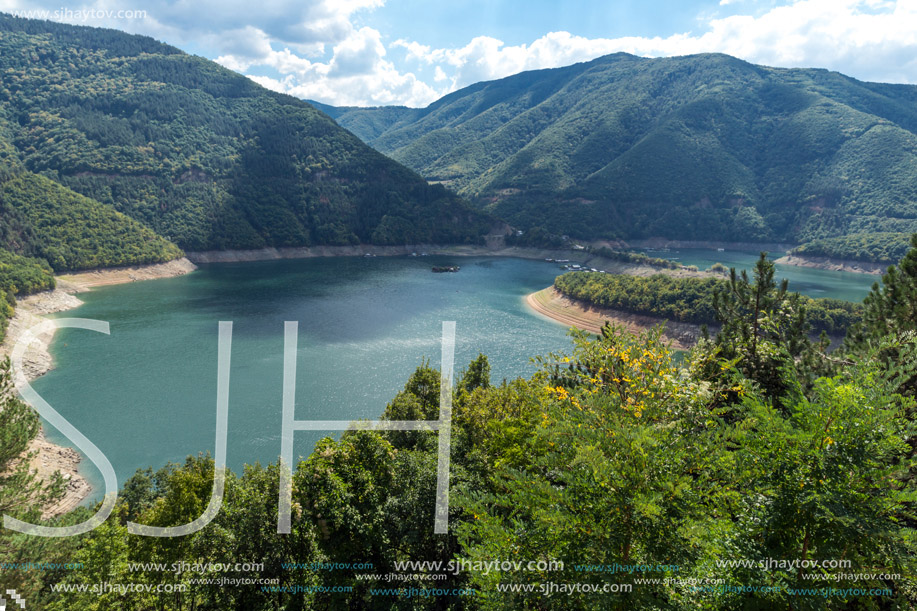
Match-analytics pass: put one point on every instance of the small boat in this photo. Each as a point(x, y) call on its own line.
point(440, 269)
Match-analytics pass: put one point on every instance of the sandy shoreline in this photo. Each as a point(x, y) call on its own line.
point(30, 311)
point(840, 265)
point(555, 305)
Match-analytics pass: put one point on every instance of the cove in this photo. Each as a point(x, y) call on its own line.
point(145, 395)
point(849, 286)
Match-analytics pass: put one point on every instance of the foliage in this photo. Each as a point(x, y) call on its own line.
point(890, 310)
point(20, 276)
point(765, 327)
point(619, 453)
point(200, 154)
point(72, 232)
point(703, 147)
point(22, 493)
point(686, 299)
point(872, 247)
point(634, 257)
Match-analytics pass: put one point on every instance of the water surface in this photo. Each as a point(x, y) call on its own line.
point(849, 286)
point(146, 394)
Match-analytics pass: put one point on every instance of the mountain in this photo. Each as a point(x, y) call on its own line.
point(194, 153)
point(44, 220)
point(695, 147)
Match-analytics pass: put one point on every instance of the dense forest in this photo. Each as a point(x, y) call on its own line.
point(201, 155)
point(119, 150)
point(20, 276)
point(887, 247)
point(638, 258)
point(693, 147)
point(691, 299)
point(756, 472)
point(70, 231)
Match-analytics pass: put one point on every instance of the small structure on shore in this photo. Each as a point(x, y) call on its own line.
point(440, 269)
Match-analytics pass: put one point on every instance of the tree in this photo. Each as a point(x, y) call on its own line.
point(890, 310)
point(618, 467)
point(766, 327)
point(824, 482)
point(22, 493)
point(476, 376)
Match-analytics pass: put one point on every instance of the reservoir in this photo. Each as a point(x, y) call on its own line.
point(146, 394)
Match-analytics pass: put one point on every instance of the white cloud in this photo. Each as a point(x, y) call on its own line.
point(312, 48)
point(357, 74)
point(359, 54)
point(867, 39)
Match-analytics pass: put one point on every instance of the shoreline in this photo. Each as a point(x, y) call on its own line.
point(770, 247)
point(32, 310)
point(577, 256)
point(553, 304)
point(837, 265)
point(550, 303)
point(309, 252)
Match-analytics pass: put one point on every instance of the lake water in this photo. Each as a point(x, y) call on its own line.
point(849, 286)
point(145, 395)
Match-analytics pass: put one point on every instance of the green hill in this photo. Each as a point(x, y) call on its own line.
point(41, 218)
point(199, 154)
point(695, 147)
point(872, 247)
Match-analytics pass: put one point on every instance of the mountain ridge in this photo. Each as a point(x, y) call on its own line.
point(691, 147)
point(201, 155)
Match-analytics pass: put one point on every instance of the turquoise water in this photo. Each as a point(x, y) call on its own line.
point(146, 394)
point(849, 286)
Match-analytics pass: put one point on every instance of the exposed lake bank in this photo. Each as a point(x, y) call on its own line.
point(575, 313)
point(839, 265)
point(30, 314)
point(38, 360)
point(577, 256)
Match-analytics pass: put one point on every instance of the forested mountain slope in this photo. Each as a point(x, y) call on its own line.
point(703, 146)
point(199, 154)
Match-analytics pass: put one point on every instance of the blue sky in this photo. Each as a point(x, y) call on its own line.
point(515, 22)
point(378, 52)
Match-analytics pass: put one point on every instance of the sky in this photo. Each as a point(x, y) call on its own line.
point(412, 52)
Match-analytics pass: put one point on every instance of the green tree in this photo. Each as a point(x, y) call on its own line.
point(890, 310)
point(766, 328)
point(824, 483)
point(476, 376)
point(617, 468)
point(22, 494)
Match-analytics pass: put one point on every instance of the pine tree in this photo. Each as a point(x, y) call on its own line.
point(890, 317)
point(765, 326)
